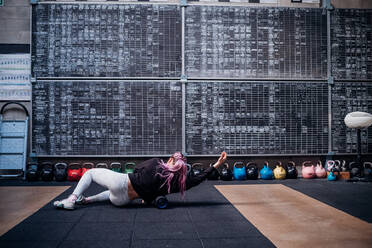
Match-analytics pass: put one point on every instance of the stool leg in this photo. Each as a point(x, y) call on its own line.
point(359, 152)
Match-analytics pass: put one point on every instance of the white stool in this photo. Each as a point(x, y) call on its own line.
point(358, 120)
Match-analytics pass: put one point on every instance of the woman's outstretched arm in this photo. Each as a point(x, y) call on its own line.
point(193, 180)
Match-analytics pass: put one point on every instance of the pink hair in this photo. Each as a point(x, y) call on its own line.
point(179, 168)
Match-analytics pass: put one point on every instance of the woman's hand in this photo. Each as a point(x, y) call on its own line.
point(221, 160)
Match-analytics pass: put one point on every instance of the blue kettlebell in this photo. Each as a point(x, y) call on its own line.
point(332, 176)
point(239, 172)
point(266, 173)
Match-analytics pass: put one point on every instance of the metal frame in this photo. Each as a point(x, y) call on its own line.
point(326, 5)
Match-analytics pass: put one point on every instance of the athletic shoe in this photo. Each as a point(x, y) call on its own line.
point(81, 200)
point(65, 204)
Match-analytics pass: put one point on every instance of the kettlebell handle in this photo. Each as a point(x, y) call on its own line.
point(88, 165)
point(369, 164)
point(292, 163)
point(226, 165)
point(196, 164)
point(250, 164)
point(129, 165)
point(305, 164)
point(238, 163)
point(74, 166)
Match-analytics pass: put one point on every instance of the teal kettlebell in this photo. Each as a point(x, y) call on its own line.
point(332, 176)
point(266, 173)
point(239, 172)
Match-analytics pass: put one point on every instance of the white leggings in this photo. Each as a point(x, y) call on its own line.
point(115, 182)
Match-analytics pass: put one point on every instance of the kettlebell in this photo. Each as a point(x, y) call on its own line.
point(252, 171)
point(337, 165)
point(266, 173)
point(214, 175)
point(189, 169)
point(226, 173)
point(86, 166)
point(332, 176)
point(101, 165)
point(32, 173)
point(115, 166)
point(367, 170)
point(60, 171)
point(320, 171)
point(308, 170)
point(160, 202)
point(74, 172)
point(344, 167)
point(330, 165)
point(355, 170)
point(291, 170)
point(129, 167)
point(47, 171)
point(197, 168)
point(239, 171)
point(279, 171)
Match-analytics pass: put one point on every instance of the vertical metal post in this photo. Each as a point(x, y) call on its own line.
point(182, 41)
point(183, 76)
point(328, 7)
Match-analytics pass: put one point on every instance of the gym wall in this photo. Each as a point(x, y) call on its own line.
point(147, 78)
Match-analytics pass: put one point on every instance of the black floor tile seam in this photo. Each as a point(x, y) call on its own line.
point(132, 234)
point(195, 228)
point(68, 233)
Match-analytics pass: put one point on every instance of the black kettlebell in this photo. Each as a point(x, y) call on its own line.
point(189, 169)
point(344, 167)
point(32, 173)
point(60, 171)
point(226, 173)
point(47, 171)
point(291, 170)
point(214, 175)
point(251, 171)
point(196, 169)
point(367, 170)
point(355, 170)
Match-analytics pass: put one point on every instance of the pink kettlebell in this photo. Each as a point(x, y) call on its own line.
point(320, 171)
point(307, 170)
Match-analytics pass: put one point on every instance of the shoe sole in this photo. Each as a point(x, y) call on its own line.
point(62, 206)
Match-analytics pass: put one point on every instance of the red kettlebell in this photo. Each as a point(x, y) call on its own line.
point(86, 166)
point(74, 172)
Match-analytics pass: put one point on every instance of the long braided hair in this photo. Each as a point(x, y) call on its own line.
point(179, 168)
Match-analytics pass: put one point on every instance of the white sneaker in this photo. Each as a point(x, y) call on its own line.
point(81, 200)
point(65, 204)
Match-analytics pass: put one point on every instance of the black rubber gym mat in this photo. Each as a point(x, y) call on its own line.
point(352, 198)
point(203, 219)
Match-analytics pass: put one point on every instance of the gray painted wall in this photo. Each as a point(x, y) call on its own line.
point(15, 22)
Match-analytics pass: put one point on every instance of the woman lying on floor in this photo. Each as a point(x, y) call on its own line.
point(150, 179)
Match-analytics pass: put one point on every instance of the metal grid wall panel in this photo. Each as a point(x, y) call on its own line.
point(247, 42)
point(351, 44)
point(257, 117)
point(107, 118)
point(349, 97)
point(100, 40)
